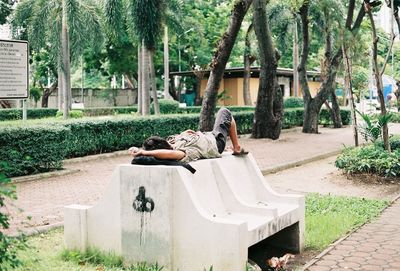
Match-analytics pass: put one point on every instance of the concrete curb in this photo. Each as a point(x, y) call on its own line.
point(333, 245)
point(95, 157)
point(43, 175)
point(288, 165)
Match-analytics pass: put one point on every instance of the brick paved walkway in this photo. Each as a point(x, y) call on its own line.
point(42, 200)
point(375, 246)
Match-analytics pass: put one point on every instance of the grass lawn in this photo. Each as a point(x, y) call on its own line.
point(327, 219)
point(330, 217)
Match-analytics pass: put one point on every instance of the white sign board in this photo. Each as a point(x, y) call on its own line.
point(14, 69)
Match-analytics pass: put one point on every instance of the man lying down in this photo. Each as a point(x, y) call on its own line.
point(190, 145)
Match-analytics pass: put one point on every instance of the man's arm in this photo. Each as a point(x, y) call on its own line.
point(161, 154)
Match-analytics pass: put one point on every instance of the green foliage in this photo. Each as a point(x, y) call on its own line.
point(147, 16)
point(167, 106)
point(35, 93)
point(373, 124)
point(197, 109)
point(92, 256)
point(5, 10)
point(293, 117)
point(16, 113)
point(38, 148)
point(104, 111)
point(293, 102)
point(330, 217)
point(30, 150)
point(73, 114)
point(395, 117)
point(38, 113)
point(107, 261)
point(325, 117)
point(9, 246)
point(372, 159)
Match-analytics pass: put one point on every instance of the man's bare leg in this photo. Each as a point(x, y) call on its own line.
point(234, 137)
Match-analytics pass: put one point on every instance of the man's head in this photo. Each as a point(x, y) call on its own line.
point(156, 143)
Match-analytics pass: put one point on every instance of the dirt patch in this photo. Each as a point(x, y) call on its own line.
point(323, 177)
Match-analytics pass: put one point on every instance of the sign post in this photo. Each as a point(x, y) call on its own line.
point(14, 70)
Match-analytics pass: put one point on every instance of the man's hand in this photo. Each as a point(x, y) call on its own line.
point(134, 151)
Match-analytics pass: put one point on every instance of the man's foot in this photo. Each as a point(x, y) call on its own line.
point(240, 152)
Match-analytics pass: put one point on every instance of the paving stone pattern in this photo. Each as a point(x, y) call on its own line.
point(40, 202)
point(374, 246)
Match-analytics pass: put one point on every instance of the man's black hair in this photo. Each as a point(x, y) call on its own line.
point(156, 143)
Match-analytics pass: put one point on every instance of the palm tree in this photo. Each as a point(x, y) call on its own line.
point(65, 27)
point(143, 21)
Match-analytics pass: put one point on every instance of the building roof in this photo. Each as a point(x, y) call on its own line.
point(238, 72)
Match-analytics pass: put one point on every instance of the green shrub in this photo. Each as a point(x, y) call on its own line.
point(395, 117)
point(293, 102)
point(9, 246)
point(373, 159)
point(73, 114)
point(325, 116)
point(167, 106)
point(30, 150)
point(36, 113)
point(104, 111)
point(394, 142)
point(39, 148)
point(197, 109)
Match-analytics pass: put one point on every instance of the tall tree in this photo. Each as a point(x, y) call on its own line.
point(248, 59)
point(269, 110)
point(218, 64)
point(64, 27)
point(332, 59)
point(378, 74)
point(5, 10)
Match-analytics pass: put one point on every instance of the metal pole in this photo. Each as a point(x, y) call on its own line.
point(24, 113)
point(179, 53)
point(82, 78)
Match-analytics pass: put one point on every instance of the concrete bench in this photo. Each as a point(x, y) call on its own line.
point(188, 221)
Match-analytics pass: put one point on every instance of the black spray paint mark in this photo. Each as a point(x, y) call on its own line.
point(141, 203)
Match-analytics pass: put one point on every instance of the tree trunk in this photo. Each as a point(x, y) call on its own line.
point(145, 81)
point(153, 83)
point(166, 65)
point(269, 110)
point(349, 87)
point(65, 68)
point(218, 64)
point(331, 64)
point(140, 81)
point(5, 104)
point(296, 92)
point(46, 94)
point(247, 64)
point(378, 79)
point(173, 89)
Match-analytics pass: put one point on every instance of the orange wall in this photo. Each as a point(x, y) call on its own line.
point(234, 89)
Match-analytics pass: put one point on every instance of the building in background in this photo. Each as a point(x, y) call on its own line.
point(231, 87)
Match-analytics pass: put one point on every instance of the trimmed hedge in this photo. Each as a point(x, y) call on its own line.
point(34, 113)
point(39, 148)
point(39, 113)
point(293, 102)
point(30, 150)
point(167, 106)
point(197, 109)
